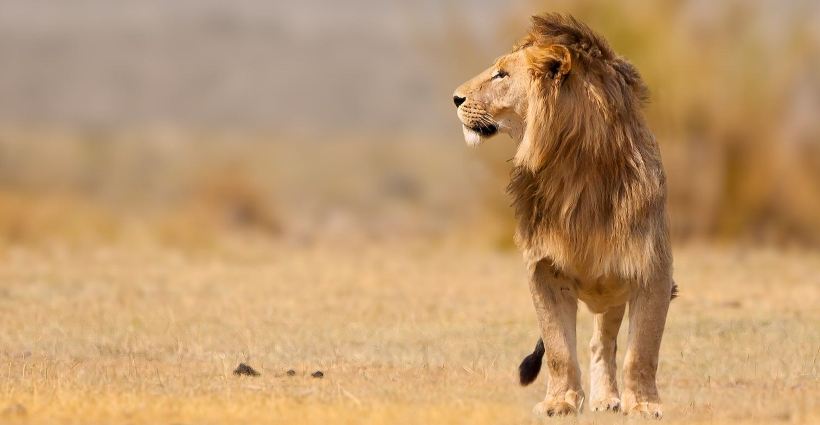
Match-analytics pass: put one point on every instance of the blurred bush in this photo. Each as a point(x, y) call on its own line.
point(88, 187)
point(192, 189)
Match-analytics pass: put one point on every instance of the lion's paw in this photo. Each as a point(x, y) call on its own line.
point(554, 408)
point(569, 405)
point(611, 404)
point(645, 410)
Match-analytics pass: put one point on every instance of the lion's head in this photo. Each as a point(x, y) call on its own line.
point(560, 84)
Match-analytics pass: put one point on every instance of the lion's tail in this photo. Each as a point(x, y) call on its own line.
point(531, 365)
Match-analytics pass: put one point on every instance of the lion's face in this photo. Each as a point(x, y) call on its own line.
point(495, 100)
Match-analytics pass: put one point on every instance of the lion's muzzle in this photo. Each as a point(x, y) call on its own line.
point(478, 123)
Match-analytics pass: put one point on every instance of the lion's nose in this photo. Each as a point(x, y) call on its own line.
point(458, 100)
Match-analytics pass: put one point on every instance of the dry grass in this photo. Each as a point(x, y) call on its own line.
point(404, 334)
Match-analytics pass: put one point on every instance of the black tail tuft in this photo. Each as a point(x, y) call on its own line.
point(674, 290)
point(531, 365)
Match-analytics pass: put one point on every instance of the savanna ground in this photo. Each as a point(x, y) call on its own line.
point(404, 333)
point(142, 315)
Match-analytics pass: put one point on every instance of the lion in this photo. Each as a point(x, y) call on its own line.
point(589, 194)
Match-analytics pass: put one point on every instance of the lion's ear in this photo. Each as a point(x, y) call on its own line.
point(561, 63)
point(550, 62)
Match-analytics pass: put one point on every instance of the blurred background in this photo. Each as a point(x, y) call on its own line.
point(188, 122)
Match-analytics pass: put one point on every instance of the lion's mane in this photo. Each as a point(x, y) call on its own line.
point(588, 187)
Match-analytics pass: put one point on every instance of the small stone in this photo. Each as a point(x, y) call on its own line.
point(246, 370)
point(318, 374)
point(291, 372)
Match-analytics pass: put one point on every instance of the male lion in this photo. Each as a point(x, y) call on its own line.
point(589, 194)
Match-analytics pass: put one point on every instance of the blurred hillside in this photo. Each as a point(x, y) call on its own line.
point(314, 66)
point(268, 119)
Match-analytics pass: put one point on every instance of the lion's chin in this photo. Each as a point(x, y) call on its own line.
point(472, 137)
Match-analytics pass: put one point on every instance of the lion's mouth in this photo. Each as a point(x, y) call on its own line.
point(474, 135)
point(486, 130)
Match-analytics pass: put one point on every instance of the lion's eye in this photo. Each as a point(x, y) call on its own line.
point(500, 74)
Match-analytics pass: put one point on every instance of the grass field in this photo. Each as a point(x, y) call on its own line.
point(409, 334)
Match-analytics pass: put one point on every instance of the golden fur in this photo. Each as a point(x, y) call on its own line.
point(589, 195)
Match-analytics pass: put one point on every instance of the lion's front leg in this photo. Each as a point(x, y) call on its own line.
point(556, 304)
point(647, 318)
point(602, 361)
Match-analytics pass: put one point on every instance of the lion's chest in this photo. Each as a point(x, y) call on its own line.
point(603, 293)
